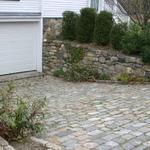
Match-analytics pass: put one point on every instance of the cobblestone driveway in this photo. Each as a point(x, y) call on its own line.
point(93, 116)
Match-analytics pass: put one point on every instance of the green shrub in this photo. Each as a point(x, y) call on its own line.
point(103, 26)
point(85, 25)
point(69, 25)
point(79, 73)
point(19, 119)
point(127, 78)
point(104, 77)
point(145, 44)
point(59, 73)
point(117, 33)
point(145, 37)
point(146, 54)
point(75, 54)
point(130, 42)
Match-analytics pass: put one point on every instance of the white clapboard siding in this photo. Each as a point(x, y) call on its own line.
point(55, 8)
point(20, 6)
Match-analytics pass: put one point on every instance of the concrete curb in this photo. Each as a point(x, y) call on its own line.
point(4, 145)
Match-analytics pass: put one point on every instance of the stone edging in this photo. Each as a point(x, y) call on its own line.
point(119, 82)
point(107, 81)
point(4, 145)
point(45, 144)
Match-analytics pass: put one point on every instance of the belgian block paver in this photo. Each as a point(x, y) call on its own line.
point(92, 116)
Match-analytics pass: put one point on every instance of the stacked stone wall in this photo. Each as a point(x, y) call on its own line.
point(52, 28)
point(105, 60)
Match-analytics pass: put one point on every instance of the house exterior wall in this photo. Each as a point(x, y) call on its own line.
point(20, 6)
point(49, 8)
point(52, 11)
point(55, 8)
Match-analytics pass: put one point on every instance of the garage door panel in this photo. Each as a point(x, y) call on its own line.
point(18, 47)
point(10, 50)
point(4, 60)
point(14, 69)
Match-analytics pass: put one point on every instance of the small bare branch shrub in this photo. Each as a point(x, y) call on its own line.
point(19, 118)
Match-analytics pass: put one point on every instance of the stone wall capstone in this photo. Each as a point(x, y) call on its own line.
point(103, 59)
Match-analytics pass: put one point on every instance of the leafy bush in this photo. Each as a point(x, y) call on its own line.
point(145, 37)
point(104, 77)
point(146, 54)
point(117, 33)
point(85, 25)
point(74, 54)
point(20, 119)
point(103, 26)
point(78, 73)
point(59, 73)
point(69, 25)
point(127, 78)
point(130, 42)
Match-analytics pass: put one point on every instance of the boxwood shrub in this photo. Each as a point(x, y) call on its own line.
point(131, 41)
point(146, 54)
point(103, 26)
point(69, 25)
point(85, 25)
point(145, 37)
point(117, 33)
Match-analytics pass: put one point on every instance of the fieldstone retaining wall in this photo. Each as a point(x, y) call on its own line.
point(52, 28)
point(105, 60)
point(4, 145)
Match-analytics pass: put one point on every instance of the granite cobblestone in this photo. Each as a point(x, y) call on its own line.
point(92, 116)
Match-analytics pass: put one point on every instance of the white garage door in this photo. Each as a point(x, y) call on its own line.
point(18, 47)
